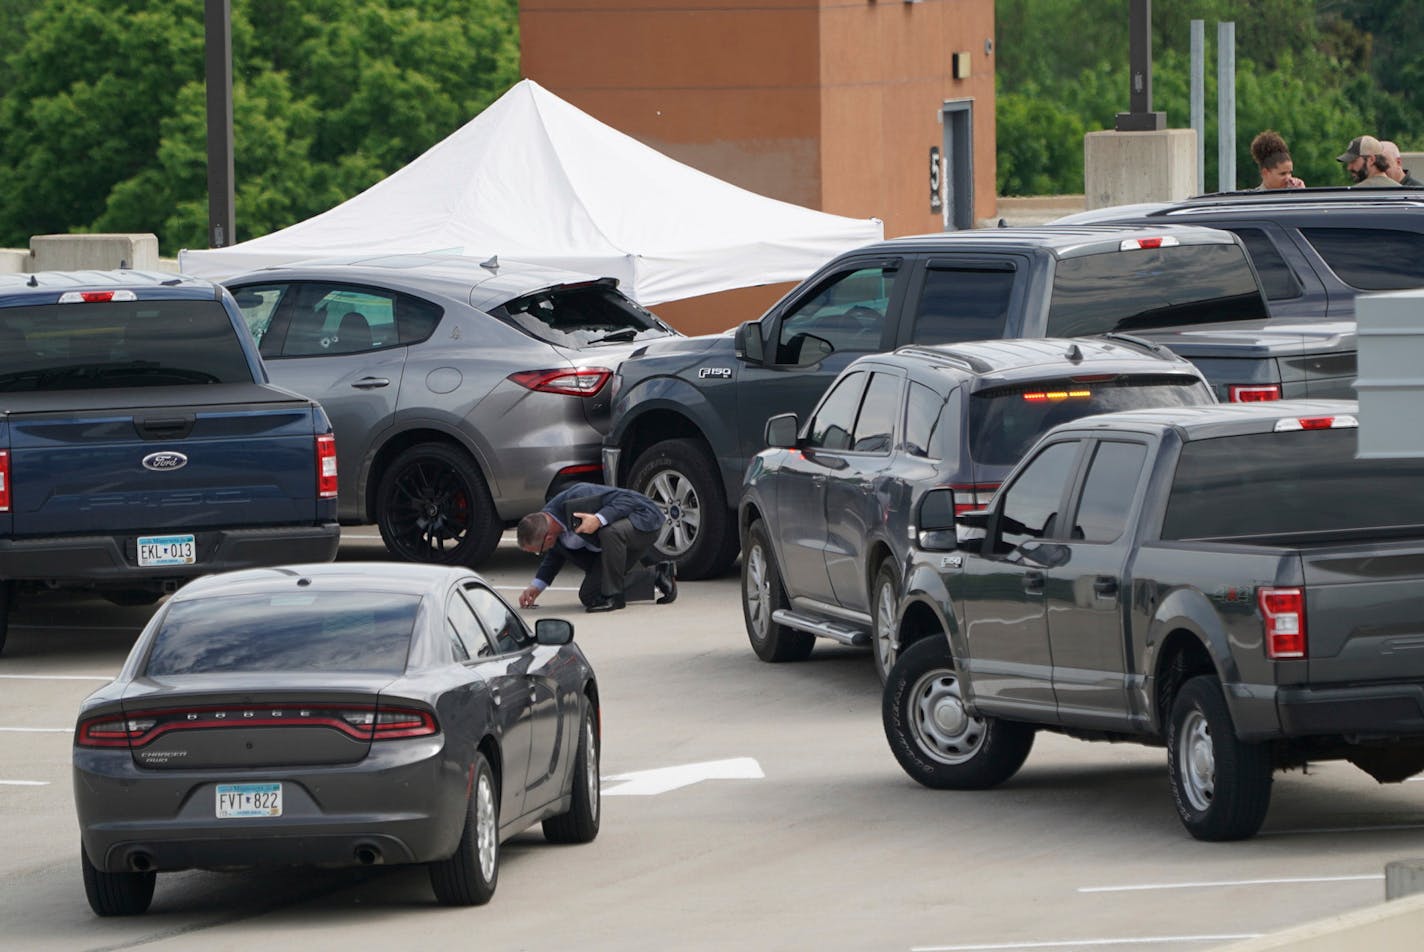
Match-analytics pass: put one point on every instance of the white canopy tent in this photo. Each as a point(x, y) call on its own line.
point(532, 178)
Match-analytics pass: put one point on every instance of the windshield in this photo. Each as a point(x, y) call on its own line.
point(119, 344)
point(1004, 422)
point(357, 632)
point(582, 315)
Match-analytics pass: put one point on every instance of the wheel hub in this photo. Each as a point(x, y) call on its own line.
point(949, 715)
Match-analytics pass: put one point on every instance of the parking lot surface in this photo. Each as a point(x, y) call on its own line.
point(746, 805)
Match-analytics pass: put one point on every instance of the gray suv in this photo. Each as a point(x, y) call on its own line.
point(462, 393)
point(825, 516)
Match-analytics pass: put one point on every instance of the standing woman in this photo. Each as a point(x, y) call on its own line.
point(1277, 171)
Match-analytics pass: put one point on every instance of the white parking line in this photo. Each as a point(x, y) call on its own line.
point(1232, 882)
point(24, 783)
point(1085, 943)
point(58, 677)
point(37, 730)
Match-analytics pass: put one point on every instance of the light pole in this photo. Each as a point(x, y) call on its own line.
point(1141, 118)
point(217, 26)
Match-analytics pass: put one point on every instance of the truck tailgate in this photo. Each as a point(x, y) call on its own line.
point(179, 465)
point(1365, 612)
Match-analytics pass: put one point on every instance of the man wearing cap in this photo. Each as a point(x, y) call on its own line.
point(1365, 160)
point(1397, 171)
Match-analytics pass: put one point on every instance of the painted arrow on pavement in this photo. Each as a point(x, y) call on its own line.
point(650, 783)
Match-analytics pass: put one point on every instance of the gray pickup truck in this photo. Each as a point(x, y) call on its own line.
point(1229, 581)
point(688, 414)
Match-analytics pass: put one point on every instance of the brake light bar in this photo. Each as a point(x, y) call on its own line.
point(4, 480)
point(1252, 393)
point(96, 297)
point(1341, 421)
point(326, 466)
point(969, 497)
point(1147, 244)
point(1053, 396)
point(1283, 615)
point(359, 722)
point(577, 382)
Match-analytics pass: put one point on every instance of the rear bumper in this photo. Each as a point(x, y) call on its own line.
point(401, 803)
point(113, 559)
point(1377, 710)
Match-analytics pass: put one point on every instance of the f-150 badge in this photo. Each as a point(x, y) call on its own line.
point(724, 372)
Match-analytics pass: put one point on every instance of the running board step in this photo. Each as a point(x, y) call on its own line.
point(846, 635)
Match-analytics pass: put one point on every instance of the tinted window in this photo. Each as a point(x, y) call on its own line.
point(309, 632)
point(1371, 259)
point(1282, 483)
point(1004, 422)
point(1030, 507)
point(466, 634)
point(578, 315)
point(875, 427)
point(848, 312)
point(500, 622)
point(1108, 491)
point(1276, 276)
point(962, 305)
point(1165, 287)
point(925, 422)
point(119, 344)
point(832, 425)
point(315, 319)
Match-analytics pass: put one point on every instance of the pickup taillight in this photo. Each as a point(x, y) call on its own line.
point(1252, 393)
point(326, 466)
point(969, 497)
point(1283, 614)
point(4, 480)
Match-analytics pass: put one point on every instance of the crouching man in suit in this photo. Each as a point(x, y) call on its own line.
point(607, 532)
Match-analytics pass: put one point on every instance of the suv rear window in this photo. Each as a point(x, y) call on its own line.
point(119, 344)
point(1284, 484)
point(311, 632)
point(1005, 421)
point(577, 315)
point(1164, 287)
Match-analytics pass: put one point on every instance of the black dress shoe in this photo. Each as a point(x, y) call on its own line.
point(665, 581)
point(607, 604)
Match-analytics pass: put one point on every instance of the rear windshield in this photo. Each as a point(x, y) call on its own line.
point(119, 344)
point(1166, 287)
point(1284, 484)
point(581, 315)
point(1005, 421)
point(310, 632)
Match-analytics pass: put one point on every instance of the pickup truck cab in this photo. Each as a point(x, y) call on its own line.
point(1230, 581)
point(141, 444)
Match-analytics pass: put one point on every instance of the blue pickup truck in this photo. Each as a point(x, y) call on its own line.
point(141, 444)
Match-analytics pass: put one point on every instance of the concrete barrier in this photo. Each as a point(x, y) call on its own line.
point(102, 252)
point(1123, 168)
point(1395, 926)
point(14, 261)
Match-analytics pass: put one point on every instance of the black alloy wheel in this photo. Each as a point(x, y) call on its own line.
point(434, 506)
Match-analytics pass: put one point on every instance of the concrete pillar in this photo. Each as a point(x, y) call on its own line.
point(1121, 168)
point(94, 252)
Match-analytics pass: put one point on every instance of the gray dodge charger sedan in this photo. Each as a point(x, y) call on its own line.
point(334, 715)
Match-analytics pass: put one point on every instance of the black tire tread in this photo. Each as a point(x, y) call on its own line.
point(457, 881)
point(116, 894)
point(782, 644)
point(715, 550)
point(1243, 770)
point(580, 823)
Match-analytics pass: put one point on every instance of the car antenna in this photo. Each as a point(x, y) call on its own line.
point(492, 264)
point(1074, 354)
point(34, 282)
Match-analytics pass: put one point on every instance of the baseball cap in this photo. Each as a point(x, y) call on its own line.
point(1360, 145)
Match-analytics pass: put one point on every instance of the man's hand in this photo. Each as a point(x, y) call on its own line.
point(528, 597)
point(587, 523)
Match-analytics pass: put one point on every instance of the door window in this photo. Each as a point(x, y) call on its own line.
point(505, 630)
point(1109, 488)
point(848, 312)
point(1371, 259)
point(834, 421)
point(1030, 507)
point(875, 427)
point(924, 410)
point(959, 305)
point(1277, 279)
point(314, 319)
point(467, 637)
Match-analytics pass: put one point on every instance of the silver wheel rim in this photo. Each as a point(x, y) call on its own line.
point(590, 774)
point(757, 592)
point(885, 626)
point(943, 729)
point(675, 495)
point(486, 837)
point(1196, 761)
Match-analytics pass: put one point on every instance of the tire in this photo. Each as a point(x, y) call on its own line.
point(934, 739)
point(580, 823)
point(116, 894)
point(433, 506)
point(1221, 785)
point(884, 602)
point(762, 595)
point(686, 483)
point(469, 877)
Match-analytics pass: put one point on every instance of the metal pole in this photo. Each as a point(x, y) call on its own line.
point(217, 22)
point(1199, 98)
point(1140, 118)
point(1226, 106)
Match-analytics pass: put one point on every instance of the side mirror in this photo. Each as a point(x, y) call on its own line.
point(553, 631)
point(781, 430)
point(746, 343)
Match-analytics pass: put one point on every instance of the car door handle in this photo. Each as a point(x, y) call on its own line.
point(1033, 583)
point(1105, 585)
point(371, 383)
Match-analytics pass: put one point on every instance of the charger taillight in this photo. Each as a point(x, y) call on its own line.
point(1252, 393)
point(358, 721)
point(326, 466)
point(1283, 615)
point(970, 497)
point(4, 480)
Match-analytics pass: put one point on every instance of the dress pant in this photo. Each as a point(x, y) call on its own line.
point(623, 566)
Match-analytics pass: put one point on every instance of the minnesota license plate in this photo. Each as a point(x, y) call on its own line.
point(249, 799)
point(167, 550)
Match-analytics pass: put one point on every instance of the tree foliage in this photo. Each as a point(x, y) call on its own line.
point(1320, 73)
point(104, 109)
